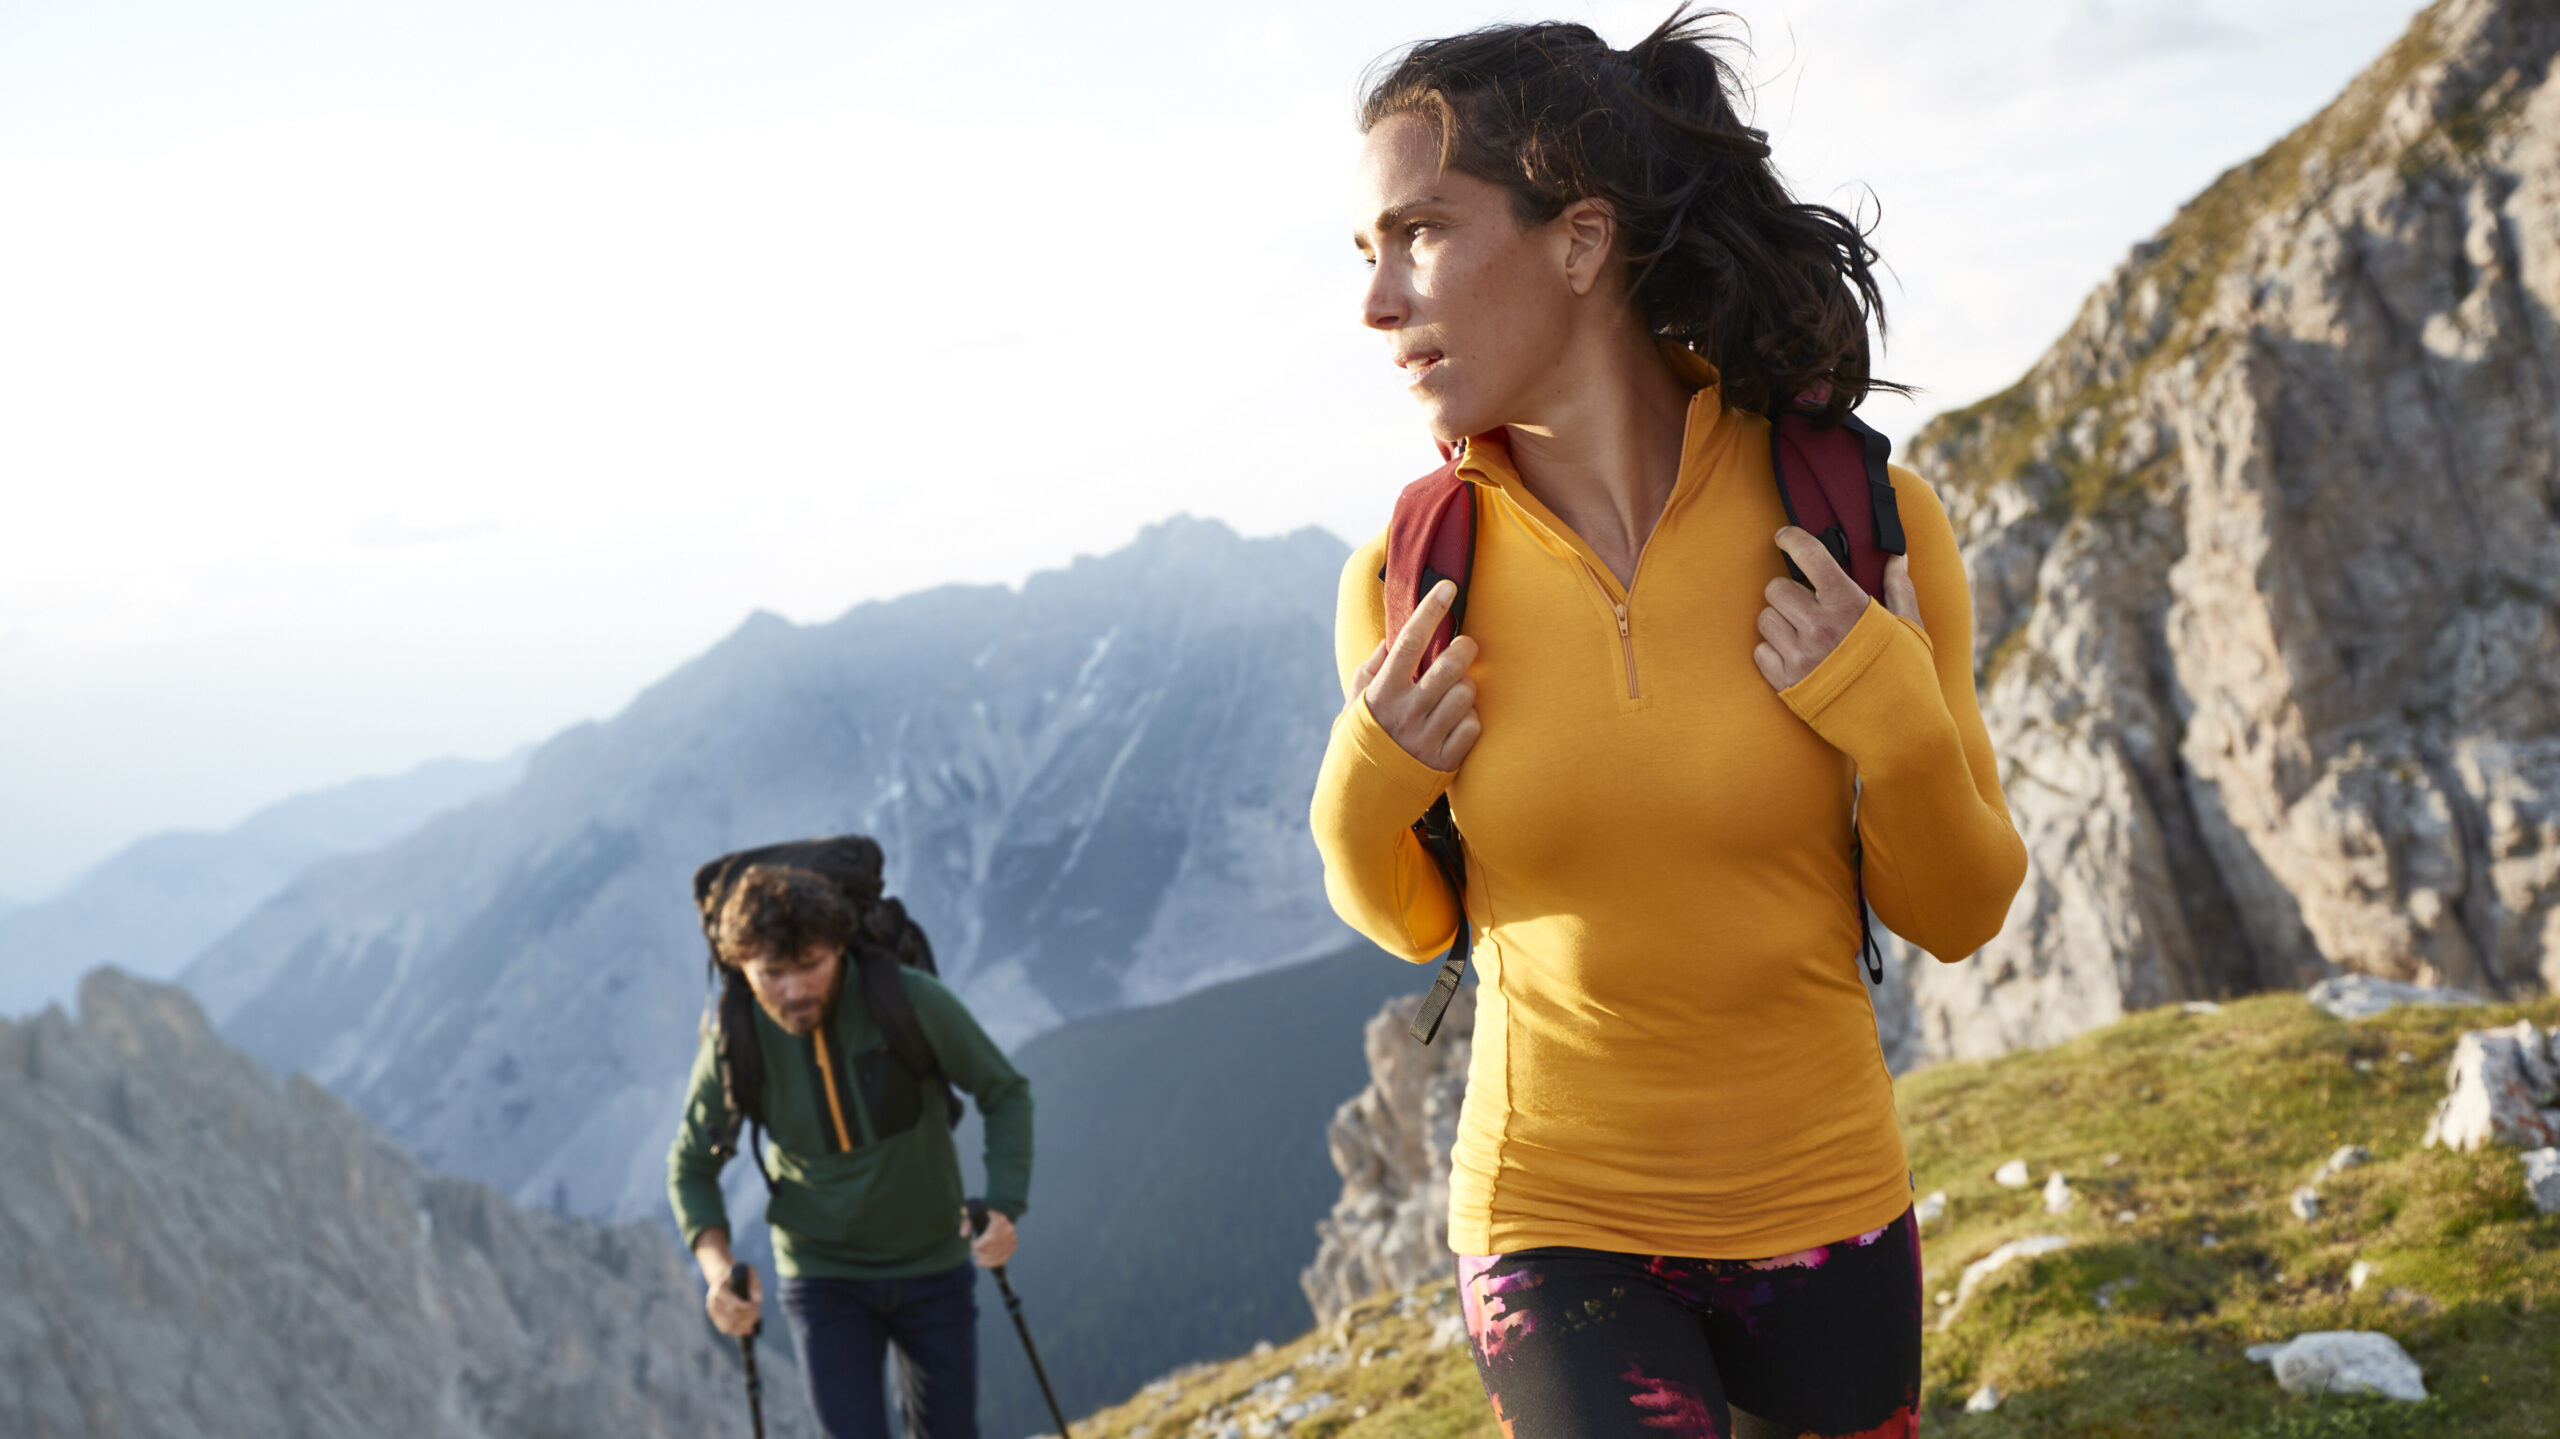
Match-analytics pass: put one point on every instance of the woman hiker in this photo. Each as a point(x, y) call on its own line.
point(1678, 1189)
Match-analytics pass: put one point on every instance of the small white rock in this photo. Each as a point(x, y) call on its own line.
point(2361, 996)
point(2058, 1197)
point(2126, 1216)
point(1984, 1400)
point(2112, 1160)
point(1450, 1332)
point(1928, 1210)
point(2201, 1006)
point(2357, 1274)
point(2345, 1361)
point(2012, 1175)
point(2210, 1241)
point(2305, 1204)
point(2349, 1156)
point(2542, 1179)
point(1991, 1263)
point(1945, 1298)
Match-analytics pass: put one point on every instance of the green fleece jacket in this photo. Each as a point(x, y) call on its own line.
point(866, 1179)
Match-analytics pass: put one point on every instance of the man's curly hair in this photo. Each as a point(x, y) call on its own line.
point(779, 913)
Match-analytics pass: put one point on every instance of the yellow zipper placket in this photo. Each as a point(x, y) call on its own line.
point(835, 1106)
point(1626, 632)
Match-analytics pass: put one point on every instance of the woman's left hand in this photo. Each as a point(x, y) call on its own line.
point(1801, 627)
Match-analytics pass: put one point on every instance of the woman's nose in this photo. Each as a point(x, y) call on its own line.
point(1383, 305)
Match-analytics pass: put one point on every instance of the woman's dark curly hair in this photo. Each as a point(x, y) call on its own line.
point(1777, 294)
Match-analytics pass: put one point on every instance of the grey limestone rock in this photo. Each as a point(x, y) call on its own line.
point(2502, 1086)
point(1390, 1229)
point(2362, 996)
point(2344, 1361)
point(192, 1247)
point(2542, 1179)
point(2263, 558)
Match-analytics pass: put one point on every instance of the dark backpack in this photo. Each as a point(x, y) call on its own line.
point(1834, 485)
point(885, 940)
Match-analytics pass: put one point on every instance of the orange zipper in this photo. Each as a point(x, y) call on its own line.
point(1626, 635)
point(835, 1106)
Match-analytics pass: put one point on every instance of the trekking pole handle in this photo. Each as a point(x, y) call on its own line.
point(741, 1283)
point(977, 1217)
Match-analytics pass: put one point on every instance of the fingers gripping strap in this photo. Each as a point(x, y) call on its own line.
point(1835, 486)
point(1431, 537)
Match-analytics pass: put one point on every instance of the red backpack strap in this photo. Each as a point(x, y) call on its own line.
point(1835, 487)
point(1432, 537)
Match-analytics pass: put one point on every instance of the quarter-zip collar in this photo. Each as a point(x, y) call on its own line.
point(1487, 462)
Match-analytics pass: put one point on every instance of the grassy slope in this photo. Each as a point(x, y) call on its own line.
point(2214, 1120)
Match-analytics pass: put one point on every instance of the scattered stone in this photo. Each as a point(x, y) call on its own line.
point(2201, 1006)
point(2404, 1057)
point(2344, 1361)
point(2209, 1241)
point(2112, 1160)
point(2107, 1292)
point(1945, 1298)
point(2305, 1204)
point(2501, 1087)
point(2125, 1216)
point(1984, 1400)
point(2361, 996)
point(2357, 1274)
point(1998, 1259)
point(2412, 1300)
point(1262, 1349)
point(2363, 1066)
point(1928, 1210)
point(2058, 1197)
point(2012, 1175)
point(2349, 1156)
point(1450, 1332)
point(2542, 1179)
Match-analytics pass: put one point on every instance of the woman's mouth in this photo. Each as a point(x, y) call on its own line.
point(1418, 366)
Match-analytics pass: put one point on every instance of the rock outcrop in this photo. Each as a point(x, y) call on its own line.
point(190, 1247)
point(1390, 1230)
point(2265, 558)
point(2502, 1086)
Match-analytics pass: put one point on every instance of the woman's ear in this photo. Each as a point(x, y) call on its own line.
point(1590, 230)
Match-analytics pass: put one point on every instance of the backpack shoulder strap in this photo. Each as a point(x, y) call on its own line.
point(1835, 486)
point(1430, 538)
point(877, 958)
point(739, 1052)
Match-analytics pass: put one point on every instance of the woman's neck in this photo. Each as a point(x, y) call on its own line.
point(1604, 453)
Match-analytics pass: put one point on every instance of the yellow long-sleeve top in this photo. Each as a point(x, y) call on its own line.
point(1674, 1049)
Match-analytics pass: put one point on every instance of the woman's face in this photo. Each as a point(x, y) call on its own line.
point(1475, 307)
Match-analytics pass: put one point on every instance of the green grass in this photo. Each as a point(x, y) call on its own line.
point(2212, 1121)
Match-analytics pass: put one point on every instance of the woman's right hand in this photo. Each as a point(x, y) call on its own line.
point(1432, 718)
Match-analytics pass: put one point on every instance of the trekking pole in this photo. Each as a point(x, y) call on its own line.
point(739, 1278)
point(1013, 1306)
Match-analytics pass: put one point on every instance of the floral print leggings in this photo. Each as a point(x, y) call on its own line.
point(1587, 1344)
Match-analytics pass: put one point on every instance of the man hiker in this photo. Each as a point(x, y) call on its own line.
point(866, 1204)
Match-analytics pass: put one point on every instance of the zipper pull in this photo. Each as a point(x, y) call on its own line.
point(1622, 619)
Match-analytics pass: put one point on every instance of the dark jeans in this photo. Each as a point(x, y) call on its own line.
point(844, 1326)
point(1585, 1344)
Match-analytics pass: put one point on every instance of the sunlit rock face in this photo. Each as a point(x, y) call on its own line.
point(195, 1247)
point(1092, 792)
point(2264, 558)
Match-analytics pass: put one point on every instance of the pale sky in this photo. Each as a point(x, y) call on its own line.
point(392, 380)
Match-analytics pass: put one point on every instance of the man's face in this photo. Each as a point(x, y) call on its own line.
point(795, 989)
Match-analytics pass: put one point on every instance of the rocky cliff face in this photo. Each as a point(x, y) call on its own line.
point(1390, 1229)
point(2265, 555)
point(1092, 791)
point(189, 1247)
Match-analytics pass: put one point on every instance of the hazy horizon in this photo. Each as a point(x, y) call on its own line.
point(382, 388)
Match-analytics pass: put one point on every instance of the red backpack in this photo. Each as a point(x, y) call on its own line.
point(1833, 484)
